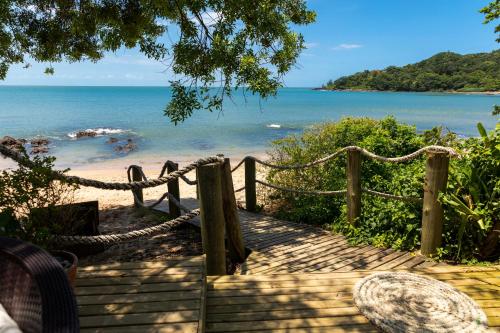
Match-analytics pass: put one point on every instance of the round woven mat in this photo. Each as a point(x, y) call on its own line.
point(405, 302)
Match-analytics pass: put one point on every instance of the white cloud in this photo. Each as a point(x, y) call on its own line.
point(208, 18)
point(311, 45)
point(347, 46)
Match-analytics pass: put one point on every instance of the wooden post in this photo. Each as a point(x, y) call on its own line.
point(250, 185)
point(353, 186)
point(236, 245)
point(173, 188)
point(138, 197)
point(436, 177)
point(212, 217)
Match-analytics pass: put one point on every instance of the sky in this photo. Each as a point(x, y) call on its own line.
point(348, 36)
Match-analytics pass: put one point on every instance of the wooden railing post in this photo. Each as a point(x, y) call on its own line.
point(173, 189)
point(212, 217)
point(138, 197)
point(436, 177)
point(353, 186)
point(236, 245)
point(250, 185)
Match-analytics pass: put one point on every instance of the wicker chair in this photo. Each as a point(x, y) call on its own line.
point(34, 289)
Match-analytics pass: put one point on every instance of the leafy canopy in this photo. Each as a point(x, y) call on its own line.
point(224, 43)
point(491, 13)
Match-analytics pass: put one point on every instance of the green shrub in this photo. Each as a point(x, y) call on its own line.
point(383, 222)
point(29, 196)
point(472, 202)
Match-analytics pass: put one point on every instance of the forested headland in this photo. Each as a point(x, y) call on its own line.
point(445, 71)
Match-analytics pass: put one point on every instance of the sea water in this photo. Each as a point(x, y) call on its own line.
point(246, 125)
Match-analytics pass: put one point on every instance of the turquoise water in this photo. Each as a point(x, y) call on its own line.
point(246, 126)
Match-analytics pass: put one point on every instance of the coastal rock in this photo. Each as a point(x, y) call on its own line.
point(39, 142)
point(85, 134)
point(39, 146)
point(12, 143)
point(39, 150)
point(112, 140)
point(127, 148)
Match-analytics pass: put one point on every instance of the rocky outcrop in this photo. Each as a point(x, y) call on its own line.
point(39, 142)
point(127, 148)
point(39, 146)
point(39, 150)
point(112, 140)
point(12, 143)
point(85, 134)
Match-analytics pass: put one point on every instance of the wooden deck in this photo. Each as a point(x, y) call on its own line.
point(175, 296)
point(322, 302)
point(167, 296)
point(286, 247)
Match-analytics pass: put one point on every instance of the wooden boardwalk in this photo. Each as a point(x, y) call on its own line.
point(174, 296)
point(322, 302)
point(280, 246)
point(285, 247)
point(167, 296)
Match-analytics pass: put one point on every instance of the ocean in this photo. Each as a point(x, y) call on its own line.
point(247, 124)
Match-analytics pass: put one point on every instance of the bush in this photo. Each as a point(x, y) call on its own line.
point(28, 197)
point(383, 222)
point(472, 201)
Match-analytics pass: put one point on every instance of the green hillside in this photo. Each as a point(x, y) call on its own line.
point(445, 71)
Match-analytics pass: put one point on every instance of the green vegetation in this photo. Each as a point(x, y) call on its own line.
point(446, 71)
point(29, 195)
point(491, 13)
point(474, 180)
point(219, 43)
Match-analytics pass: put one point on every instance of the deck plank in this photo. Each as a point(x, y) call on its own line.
point(164, 296)
point(322, 302)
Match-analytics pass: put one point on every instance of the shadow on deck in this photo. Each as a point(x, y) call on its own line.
point(175, 296)
point(280, 246)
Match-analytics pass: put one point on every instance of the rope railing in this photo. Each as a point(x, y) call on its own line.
point(131, 185)
point(363, 151)
point(183, 177)
point(299, 191)
point(393, 196)
point(112, 239)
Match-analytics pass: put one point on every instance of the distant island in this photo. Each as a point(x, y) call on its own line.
point(445, 71)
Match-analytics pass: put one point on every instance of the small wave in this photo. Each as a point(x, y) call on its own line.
point(273, 126)
point(98, 131)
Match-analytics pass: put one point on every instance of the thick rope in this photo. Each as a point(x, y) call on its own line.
point(159, 201)
point(128, 236)
point(112, 186)
point(240, 163)
point(363, 151)
point(240, 189)
point(184, 178)
point(393, 196)
point(293, 190)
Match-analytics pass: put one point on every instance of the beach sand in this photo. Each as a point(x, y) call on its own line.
point(117, 172)
point(117, 214)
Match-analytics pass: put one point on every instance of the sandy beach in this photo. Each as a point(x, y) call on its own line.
point(116, 171)
point(112, 198)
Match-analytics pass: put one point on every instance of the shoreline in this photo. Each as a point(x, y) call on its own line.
point(451, 92)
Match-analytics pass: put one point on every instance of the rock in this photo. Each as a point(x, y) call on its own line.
point(12, 143)
point(127, 148)
point(39, 142)
point(39, 150)
point(85, 134)
point(112, 140)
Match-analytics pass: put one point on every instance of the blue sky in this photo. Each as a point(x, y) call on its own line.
point(348, 36)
